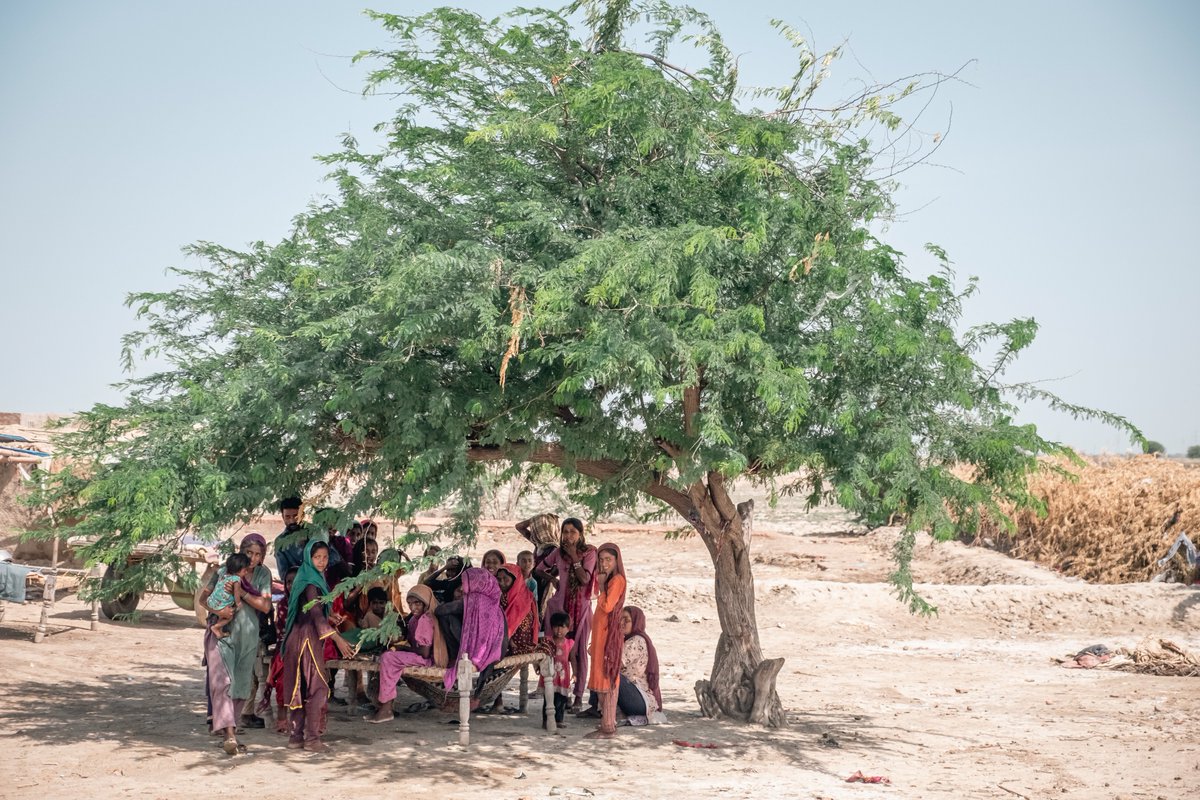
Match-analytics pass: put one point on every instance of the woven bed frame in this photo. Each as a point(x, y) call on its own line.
point(429, 683)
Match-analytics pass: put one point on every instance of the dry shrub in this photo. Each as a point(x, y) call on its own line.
point(1113, 524)
point(1167, 659)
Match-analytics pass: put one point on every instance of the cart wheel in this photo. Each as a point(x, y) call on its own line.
point(121, 605)
point(198, 607)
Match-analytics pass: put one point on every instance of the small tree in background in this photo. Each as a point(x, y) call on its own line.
point(1151, 446)
point(574, 252)
point(1194, 451)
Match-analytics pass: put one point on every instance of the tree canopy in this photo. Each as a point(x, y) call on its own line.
point(575, 250)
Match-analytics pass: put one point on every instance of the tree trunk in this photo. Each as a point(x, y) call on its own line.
point(742, 683)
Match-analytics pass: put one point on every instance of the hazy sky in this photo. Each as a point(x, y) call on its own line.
point(133, 128)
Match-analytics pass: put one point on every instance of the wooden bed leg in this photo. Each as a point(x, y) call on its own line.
point(523, 702)
point(47, 603)
point(95, 604)
point(548, 694)
point(465, 668)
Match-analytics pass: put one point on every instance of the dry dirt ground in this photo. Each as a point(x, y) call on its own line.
point(966, 704)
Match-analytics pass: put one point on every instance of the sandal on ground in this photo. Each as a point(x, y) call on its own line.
point(415, 708)
point(230, 746)
point(591, 712)
point(371, 719)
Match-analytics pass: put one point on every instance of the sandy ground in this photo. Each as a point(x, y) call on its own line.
point(967, 704)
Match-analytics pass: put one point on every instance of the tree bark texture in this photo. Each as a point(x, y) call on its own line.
point(741, 685)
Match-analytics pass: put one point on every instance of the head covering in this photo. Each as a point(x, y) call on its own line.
point(517, 602)
point(307, 576)
point(260, 540)
point(614, 645)
point(423, 593)
point(638, 620)
point(254, 537)
point(542, 529)
point(483, 622)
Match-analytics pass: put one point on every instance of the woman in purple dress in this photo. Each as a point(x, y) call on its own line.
point(571, 569)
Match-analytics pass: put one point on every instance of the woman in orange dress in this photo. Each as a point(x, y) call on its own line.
point(608, 638)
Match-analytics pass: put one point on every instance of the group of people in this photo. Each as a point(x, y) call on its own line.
point(542, 602)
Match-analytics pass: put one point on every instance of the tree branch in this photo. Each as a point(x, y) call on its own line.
point(600, 469)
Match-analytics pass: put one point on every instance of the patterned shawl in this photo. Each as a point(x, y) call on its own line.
point(638, 618)
point(517, 601)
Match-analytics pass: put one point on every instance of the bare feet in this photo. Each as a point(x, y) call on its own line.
point(600, 734)
point(316, 746)
point(230, 746)
point(295, 744)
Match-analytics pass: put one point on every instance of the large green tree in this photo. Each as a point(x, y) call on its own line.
point(573, 252)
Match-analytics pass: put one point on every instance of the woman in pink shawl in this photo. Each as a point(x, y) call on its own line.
point(571, 569)
point(481, 632)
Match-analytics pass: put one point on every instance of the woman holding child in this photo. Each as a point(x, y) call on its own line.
point(230, 659)
point(571, 570)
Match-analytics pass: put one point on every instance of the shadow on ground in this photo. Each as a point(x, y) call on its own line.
point(152, 711)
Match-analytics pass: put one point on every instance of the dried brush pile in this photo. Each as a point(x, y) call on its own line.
point(1113, 523)
point(1167, 659)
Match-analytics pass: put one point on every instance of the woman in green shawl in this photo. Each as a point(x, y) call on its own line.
point(305, 681)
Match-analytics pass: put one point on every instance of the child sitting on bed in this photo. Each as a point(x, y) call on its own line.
point(227, 592)
point(377, 599)
point(423, 648)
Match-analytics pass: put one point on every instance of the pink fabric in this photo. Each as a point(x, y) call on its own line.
point(393, 663)
point(562, 667)
point(483, 622)
point(226, 711)
point(580, 609)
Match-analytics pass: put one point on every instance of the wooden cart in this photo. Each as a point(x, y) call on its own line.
point(200, 559)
